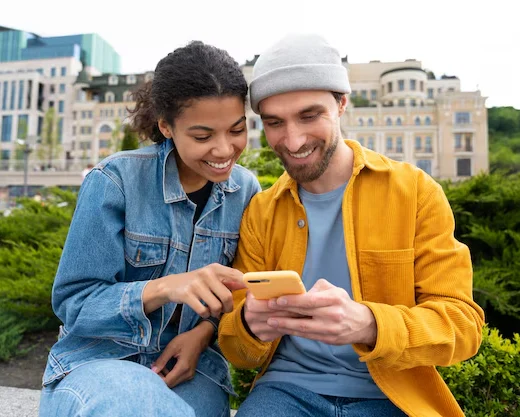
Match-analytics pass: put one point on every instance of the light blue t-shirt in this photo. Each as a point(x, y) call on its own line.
point(316, 366)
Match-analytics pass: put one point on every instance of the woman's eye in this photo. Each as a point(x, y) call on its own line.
point(201, 138)
point(238, 132)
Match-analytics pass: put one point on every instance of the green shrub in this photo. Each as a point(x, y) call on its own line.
point(242, 380)
point(267, 181)
point(489, 383)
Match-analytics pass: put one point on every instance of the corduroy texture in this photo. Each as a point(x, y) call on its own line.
point(298, 62)
point(405, 265)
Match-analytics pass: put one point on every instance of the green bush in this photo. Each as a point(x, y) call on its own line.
point(242, 379)
point(489, 383)
point(31, 242)
point(267, 181)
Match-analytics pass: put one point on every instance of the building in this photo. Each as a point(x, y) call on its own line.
point(37, 73)
point(100, 108)
point(405, 112)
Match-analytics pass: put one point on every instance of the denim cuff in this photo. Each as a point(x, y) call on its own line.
point(132, 310)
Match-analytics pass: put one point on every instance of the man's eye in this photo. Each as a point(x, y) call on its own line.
point(310, 116)
point(274, 124)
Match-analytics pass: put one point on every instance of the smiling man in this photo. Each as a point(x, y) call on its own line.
point(389, 287)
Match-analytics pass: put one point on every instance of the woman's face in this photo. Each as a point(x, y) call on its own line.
point(209, 137)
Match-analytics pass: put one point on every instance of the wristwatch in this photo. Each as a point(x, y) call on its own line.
point(214, 322)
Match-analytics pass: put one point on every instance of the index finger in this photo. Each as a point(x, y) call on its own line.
point(310, 300)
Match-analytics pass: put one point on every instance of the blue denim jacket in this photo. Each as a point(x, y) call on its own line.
point(133, 223)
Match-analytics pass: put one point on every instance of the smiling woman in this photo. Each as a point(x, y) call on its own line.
point(140, 307)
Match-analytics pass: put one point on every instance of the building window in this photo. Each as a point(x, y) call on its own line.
point(462, 118)
point(52, 89)
point(370, 122)
point(451, 89)
point(6, 154)
point(428, 144)
point(427, 121)
point(109, 97)
point(417, 121)
point(413, 103)
point(413, 85)
point(373, 95)
point(13, 92)
point(398, 122)
point(430, 92)
point(468, 142)
point(458, 141)
point(61, 106)
point(390, 88)
point(113, 80)
point(130, 79)
point(360, 122)
point(84, 146)
point(425, 165)
point(127, 96)
point(354, 93)
point(388, 121)
point(23, 125)
point(399, 145)
point(361, 141)
point(60, 130)
point(4, 96)
point(364, 94)
point(105, 129)
point(389, 144)
point(422, 85)
point(464, 167)
point(62, 88)
point(53, 72)
point(104, 144)
point(400, 85)
point(20, 94)
point(73, 130)
point(370, 144)
point(7, 127)
point(418, 143)
point(63, 71)
point(400, 103)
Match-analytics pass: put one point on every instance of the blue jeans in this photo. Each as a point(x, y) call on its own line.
point(276, 399)
point(119, 388)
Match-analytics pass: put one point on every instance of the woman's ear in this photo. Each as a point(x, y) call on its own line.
point(164, 128)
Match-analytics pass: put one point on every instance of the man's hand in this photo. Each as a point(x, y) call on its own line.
point(186, 348)
point(257, 312)
point(332, 317)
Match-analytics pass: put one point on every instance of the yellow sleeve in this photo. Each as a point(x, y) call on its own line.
point(237, 345)
point(445, 326)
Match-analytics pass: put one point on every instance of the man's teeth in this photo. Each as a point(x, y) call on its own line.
point(219, 166)
point(301, 155)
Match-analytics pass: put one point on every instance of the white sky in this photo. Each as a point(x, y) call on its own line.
point(479, 41)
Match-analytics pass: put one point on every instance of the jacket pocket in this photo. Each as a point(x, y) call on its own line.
point(145, 257)
point(228, 251)
point(388, 276)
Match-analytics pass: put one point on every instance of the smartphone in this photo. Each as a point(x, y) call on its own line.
point(271, 284)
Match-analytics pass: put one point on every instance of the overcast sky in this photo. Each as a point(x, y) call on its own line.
point(478, 41)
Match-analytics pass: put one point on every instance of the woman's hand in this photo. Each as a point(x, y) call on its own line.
point(212, 285)
point(186, 348)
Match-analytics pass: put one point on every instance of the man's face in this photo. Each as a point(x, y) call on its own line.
point(303, 129)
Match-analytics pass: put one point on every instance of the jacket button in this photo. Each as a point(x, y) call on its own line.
point(301, 223)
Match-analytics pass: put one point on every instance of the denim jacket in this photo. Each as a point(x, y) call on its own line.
point(133, 223)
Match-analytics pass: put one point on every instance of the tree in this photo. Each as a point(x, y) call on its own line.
point(115, 140)
point(49, 148)
point(130, 139)
point(358, 101)
point(262, 161)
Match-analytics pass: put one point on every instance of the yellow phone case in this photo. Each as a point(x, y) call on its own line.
point(271, 284)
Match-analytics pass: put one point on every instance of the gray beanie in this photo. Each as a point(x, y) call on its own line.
point(298, 62)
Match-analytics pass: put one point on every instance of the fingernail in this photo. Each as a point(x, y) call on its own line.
point(272, 322)
point(155, 369)
point(281, 301)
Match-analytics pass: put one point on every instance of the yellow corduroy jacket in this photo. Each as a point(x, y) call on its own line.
point(405, 265)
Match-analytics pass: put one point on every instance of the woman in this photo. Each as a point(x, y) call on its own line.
point(143, 272)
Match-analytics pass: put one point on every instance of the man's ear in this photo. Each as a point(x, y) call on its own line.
point(343, 104)
point(164, 128)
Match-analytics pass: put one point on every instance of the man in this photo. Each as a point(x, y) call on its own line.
point(389, 289)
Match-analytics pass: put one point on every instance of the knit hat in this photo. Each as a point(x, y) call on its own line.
point(298, 62)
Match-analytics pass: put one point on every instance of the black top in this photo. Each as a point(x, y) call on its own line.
point(200, 198)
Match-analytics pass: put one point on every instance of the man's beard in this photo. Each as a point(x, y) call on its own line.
point(308, 172)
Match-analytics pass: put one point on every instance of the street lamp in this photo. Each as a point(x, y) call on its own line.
point(26, 144)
